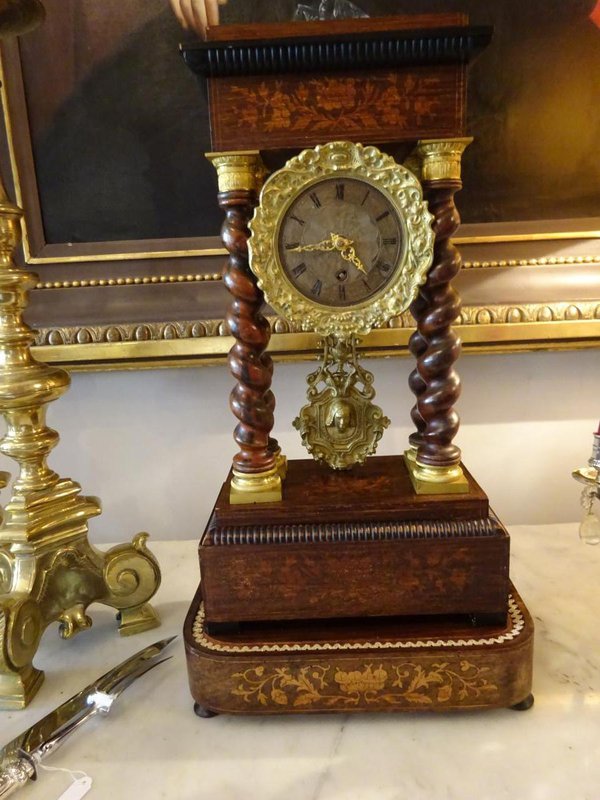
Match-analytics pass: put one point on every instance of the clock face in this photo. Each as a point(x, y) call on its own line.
point(340, 241)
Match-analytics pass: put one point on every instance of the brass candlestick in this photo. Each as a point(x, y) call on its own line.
point(48, 570)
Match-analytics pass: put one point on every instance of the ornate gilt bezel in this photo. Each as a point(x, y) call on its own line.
point(403, 190)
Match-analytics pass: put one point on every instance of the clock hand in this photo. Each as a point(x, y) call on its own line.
point(335, 242)
point(349, 254)
point(325, 246)
point(346, 250)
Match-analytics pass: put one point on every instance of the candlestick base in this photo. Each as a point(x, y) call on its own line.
point(49, 572)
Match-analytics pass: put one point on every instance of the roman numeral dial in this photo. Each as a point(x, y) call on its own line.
point(340, 241)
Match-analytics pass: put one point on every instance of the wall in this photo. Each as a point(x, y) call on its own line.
point(156, 445)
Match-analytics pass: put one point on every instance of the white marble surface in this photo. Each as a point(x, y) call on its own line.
point(153, 746)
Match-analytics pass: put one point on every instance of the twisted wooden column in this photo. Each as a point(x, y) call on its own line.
point(417, 345)
point(258, 465)
point(434, 458)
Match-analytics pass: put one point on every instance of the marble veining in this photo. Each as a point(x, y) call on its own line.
point(153, 746)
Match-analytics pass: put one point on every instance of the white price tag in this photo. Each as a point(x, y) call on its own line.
point(78, 789)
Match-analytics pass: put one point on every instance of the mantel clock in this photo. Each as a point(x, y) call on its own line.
point(347, 581)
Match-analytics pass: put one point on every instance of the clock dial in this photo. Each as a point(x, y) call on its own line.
point(344, 252)
point(340, 241)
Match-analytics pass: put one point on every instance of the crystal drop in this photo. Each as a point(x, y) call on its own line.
point(589, 530)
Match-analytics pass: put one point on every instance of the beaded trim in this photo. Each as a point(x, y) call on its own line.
point(516, 628)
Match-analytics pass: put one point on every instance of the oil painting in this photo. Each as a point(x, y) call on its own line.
point(108, 128)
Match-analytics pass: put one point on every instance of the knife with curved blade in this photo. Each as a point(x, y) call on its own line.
point(20, 757)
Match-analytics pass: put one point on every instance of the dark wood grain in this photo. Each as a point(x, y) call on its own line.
point(438, 386)
point(370, 80)
point(368, 107)
point(251, 399)
point(277, 30)
point(415, 576)
point(351, 544)
point(417, 345)
point(379, 490)
point(321, 47)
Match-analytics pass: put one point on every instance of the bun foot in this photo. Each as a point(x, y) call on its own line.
point(204, 713)
point(524, 705)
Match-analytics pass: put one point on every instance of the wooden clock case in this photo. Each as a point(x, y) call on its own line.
point(358, 590)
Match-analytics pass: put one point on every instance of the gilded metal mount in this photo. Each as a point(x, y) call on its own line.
point(259, 487)
point(240, 170)
point(340, 425)
point(256, 487)
point(374, 168)
point(49, 572)
point(435, 480)
point(438, 159)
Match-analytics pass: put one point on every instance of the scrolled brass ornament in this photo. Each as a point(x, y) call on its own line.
point(340, 425)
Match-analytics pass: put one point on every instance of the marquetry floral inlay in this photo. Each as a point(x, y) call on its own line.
point(404, 685)
point(315, 104)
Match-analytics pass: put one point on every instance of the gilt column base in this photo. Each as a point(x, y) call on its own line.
point(259, 487)
point(435, 480)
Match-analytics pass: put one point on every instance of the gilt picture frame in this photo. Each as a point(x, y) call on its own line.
point(142, 300)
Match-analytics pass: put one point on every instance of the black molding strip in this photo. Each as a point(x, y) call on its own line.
point(372, 49)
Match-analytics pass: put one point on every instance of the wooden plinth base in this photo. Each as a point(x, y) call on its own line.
point(360, 665)
point(362, 540)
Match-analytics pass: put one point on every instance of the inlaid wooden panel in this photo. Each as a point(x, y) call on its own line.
point(354, 543)
point(289, 111)
point(413, 576)
point(365, 665)
point(378, 491)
